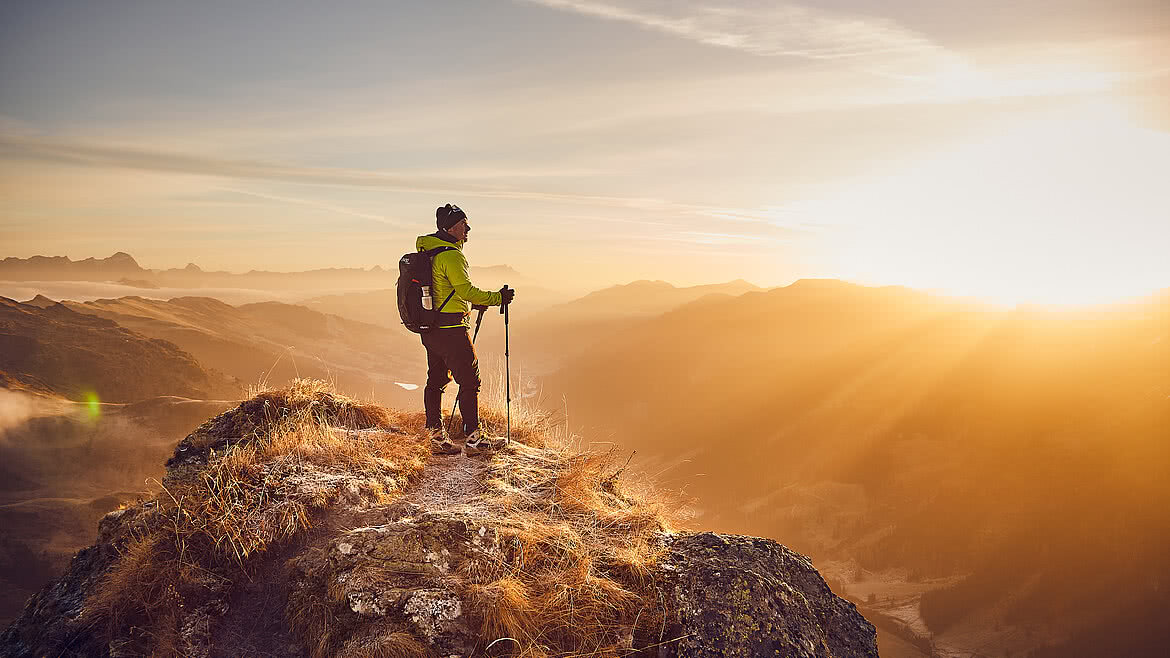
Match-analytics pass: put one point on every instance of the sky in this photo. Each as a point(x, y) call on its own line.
point(1011, 150)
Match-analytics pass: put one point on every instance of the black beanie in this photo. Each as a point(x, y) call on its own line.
point(448, 216)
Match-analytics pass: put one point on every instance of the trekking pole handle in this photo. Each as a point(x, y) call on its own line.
point(504, 306)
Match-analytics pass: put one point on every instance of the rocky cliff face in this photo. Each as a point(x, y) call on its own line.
point(305, 524)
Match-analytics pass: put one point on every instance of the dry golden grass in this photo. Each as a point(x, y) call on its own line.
point(394, 644)
point(581, 544)
point(195, 536)
point(509, 603)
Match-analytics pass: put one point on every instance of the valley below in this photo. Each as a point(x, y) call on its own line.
point(64, 465)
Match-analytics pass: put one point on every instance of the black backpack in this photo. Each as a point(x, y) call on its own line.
point(415, 281)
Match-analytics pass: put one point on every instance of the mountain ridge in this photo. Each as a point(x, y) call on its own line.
point(123, 267)
point(273, 342)
point(80, 355)
point(120, 264)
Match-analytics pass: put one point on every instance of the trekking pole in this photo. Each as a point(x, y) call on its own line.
point(507, 369)
point(478, 322)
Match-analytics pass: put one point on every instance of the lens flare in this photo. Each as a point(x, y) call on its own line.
point(93, 405)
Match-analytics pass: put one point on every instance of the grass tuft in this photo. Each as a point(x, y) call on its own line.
point(194, 537)
point(581, 543)
point(395, 644)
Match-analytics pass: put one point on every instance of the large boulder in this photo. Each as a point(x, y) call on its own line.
point(731, 595)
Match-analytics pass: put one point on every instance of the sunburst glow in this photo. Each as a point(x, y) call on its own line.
point(1065, 208)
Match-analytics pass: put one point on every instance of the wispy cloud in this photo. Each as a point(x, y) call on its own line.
point(106, 156)
point(768, 29)
point(80, 153)
point(310, 203)
point(132, 157)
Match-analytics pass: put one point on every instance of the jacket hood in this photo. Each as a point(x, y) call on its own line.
point(437, 239)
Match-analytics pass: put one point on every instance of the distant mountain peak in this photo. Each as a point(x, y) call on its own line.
point(836, 284)
point(40, 301)
point(639, 285)
point(498, 269)
point(59, 267)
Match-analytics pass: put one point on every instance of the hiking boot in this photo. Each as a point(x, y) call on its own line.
point(479, 443)
point(441, 444)
point(444, 447)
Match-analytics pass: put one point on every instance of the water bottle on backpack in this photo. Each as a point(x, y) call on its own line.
point(416, 306)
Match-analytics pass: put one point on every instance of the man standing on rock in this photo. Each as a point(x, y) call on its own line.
point(449, 347)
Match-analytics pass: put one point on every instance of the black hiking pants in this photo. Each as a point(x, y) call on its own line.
point(450, 352)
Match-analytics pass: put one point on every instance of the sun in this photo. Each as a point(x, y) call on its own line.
point(1070, 207)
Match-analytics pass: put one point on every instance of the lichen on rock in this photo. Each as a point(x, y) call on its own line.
point(431, 611)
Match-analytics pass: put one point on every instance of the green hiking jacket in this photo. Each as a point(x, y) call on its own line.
point(450, 271)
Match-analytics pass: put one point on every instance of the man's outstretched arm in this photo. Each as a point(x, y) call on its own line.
point(460, 278)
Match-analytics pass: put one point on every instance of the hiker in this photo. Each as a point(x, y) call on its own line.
point(449, 347)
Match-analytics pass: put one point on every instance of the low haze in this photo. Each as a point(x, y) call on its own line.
point(925, 145)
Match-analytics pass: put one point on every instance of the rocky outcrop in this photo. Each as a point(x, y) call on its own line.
point(399, 576)
point(721, 595)
point(533, 551)
point(731, 595)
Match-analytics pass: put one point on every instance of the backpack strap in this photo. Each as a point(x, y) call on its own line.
point(440, 309)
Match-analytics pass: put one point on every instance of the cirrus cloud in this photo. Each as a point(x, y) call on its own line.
point(767, 29)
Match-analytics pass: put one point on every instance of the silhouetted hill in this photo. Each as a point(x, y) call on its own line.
point(40, 301)
point(122, 268)
point(274, 342)
point(902, 431)
point(332, 278)
point(49, 268)
point(548, 337)
point(138, 283)
point(642, 298)
point(77, 355)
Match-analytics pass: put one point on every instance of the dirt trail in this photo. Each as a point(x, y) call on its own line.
point(256, 625)
point(449, 481)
